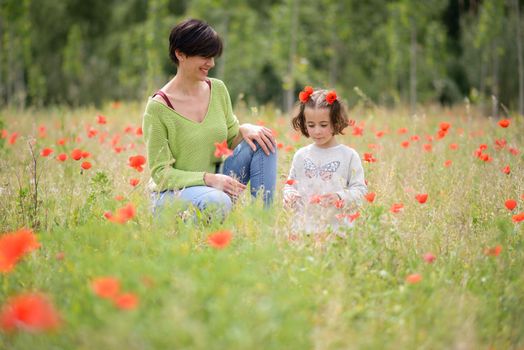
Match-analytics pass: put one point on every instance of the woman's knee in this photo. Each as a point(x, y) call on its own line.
point(218, 199)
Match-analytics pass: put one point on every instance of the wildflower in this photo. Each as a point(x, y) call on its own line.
point(100, 119)
point(61, 142)
point(518, 217)
point(500, 144)
point(421, 198)
point(415, 138)
point(380, 133)
point(427, 147)
point(510, 204)
point(414, 278)
point(31, 312)
point(368, 157)
point(46, 152)
point(76, 154)
point(514, 151)
point(339, 204)
point(444, 126)
point(14, 246)
point(397, 207)
point(402, 131)
point(221, 149)
point(315, 199)
point(106, 287)
point(86, 165)
point(12, 138)
point(304, 95)
point(139, 132)
point(370, 197)
point(448, 163)
point(126, 301)
point(357, 131)
point(219, 239)
point(453, 146)
point(506, 170)
point(429, 258)
point(137, 162)
point(331, 97)
point(291, 182)
point(133, 182)
point(405, 144)
point(495, 251)
point(504, 123)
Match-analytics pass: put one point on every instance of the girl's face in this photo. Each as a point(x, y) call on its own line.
point(319, 127)
point(196, 67)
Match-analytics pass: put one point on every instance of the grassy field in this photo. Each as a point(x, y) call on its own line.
point(378, 288)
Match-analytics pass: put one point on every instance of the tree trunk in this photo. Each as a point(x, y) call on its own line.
point(519, 55)
point(413, 69)
point(289, 92)
point(221, 69)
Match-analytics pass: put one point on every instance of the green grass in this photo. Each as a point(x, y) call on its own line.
point(265, 291)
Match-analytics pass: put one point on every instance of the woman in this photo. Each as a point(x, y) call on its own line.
point(188, 116)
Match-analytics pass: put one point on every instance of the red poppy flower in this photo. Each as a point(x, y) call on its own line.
point(415, 138)
point(221, 149)
point(396, 207)
point(495, 251)
point(12, 138)
point(402, 131)
point(506, 170)
point(62, 157)
point(31, 312)
point(100, 119)
point(133, 182)
point(504, 123)
point(427, 147)
point(14, 246)
point(119, 198)
point(370, 197)
point(123, 214)
point(429, 258)
point(339, 204)
point(444, 126)
point(4, 134)
point(91, 132)
point(513, 151)
point(291, 182)
point(126, 301)
point(453, 146)
point(315, 199)
point(76, 154)
point(304, 95)
point(518, 217)
point(441, 134)
point(46, 152)
point(405, 144)
point(421, 198)
point(289, 148)
point(61, 142)
point(220, 239)
point(357, 131)
point(448, 163)
point(139, 132)
point(368, 157)
point(42, 131)
point(380, 133)
point(353, 217)
point(331, 97)
point(510, 204)
point(106, 287)
point(86, 165)
point(128, 129)
point(414, 278)
point(500, 144)
point(137, 162)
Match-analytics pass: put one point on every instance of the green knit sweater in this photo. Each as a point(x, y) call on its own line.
point(180, 150)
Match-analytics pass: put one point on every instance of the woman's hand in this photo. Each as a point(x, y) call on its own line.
point(260, 134)
point(224, 183)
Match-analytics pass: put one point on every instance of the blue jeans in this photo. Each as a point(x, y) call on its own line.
point(245, 165)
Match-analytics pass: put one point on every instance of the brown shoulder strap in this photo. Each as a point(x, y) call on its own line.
point(164, 96)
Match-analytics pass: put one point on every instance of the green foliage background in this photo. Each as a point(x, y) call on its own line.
point(87, 52)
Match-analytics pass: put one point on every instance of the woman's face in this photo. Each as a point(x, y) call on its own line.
point(196, 67)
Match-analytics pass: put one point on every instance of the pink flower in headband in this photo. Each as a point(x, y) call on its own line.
point(331, 97)
point(304, 95)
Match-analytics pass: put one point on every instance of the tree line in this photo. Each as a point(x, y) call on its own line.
point(389, 52)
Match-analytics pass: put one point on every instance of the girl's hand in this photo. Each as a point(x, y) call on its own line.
point(291, 199)
point(261, 134)
point(224, 183)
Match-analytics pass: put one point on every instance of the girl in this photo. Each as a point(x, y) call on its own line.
point(326, 180)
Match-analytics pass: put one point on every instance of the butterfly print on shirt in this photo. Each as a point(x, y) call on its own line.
point(325, 171)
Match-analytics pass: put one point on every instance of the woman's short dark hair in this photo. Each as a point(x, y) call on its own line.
point(337, 113)
point(194, 37)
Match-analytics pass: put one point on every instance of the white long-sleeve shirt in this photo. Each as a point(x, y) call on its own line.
point(318, 171)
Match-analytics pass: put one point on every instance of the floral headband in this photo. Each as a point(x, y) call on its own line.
point(305, 95)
